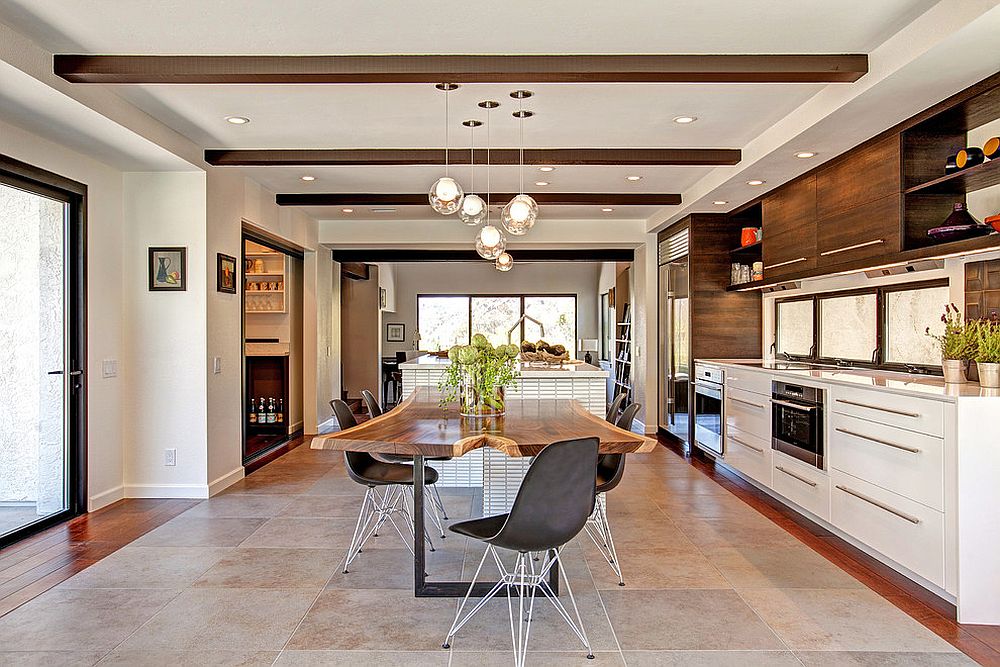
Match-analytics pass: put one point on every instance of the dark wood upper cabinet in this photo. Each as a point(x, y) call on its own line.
point(788, 218)
point(866, 231)
point(861, 176)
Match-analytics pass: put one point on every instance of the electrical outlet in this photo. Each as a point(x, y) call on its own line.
point(170, 457)
point(109, 368)
point(217, 365)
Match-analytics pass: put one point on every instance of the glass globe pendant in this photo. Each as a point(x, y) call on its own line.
point(446, 195)
point(490, 243)
point(519, 215)
point(504, 262)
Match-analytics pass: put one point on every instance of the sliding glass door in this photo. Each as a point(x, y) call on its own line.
point(41, 377)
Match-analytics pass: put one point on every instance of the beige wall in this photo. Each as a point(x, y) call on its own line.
point(360, 334)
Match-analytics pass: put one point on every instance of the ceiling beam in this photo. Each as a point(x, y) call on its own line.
point(718, 68)
point(375, 255)
point(367, 157)
point(548, 198)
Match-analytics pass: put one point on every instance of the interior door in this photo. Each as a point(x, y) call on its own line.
point(41, 354)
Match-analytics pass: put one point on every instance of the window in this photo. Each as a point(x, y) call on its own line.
point(881, 327)
point(446, 320)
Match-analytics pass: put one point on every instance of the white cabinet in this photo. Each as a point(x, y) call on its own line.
point(907, 412)
point(750, 455)
point(746, 380)
point(748, 413)
point(803, 484)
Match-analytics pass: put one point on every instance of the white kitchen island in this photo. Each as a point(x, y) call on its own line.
point(498, 475)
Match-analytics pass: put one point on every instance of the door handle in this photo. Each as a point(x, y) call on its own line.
point(780, 264)
point(71, 373)
point(852, 247)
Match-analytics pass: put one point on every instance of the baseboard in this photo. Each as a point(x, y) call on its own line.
point(105, 498)
point(640, 427)
point(225, 481)
point(297, 426)
point(166, 491)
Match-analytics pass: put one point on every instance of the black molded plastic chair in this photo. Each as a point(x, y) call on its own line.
point(610, 469)
point(394, 480)
point(552, 506)
point(615, 407)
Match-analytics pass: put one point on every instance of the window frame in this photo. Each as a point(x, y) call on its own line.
point(881, 325)
point(521, 296)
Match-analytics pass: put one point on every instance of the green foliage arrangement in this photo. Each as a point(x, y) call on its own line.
point(960, 339)
point(987, 342)
point(485, 368)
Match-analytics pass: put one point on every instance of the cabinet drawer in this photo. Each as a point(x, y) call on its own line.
point(907, 463)
point(748, 413)
point(804, 485)
point(912, 414)
point(757, 383)
point(868, 230)
point(861, 176)
point(749, 455)
point(905, 531)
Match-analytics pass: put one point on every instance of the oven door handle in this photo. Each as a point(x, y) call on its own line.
point(708, 390)
point(795, 406)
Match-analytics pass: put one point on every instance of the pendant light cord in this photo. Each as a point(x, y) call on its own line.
point(447, 124)
point(489, 144)
point(521, 116)
point(472, 158)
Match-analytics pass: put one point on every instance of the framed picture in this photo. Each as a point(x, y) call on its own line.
point(225, 281)
point(395, 333)
point(381, 297)
point(167, 269)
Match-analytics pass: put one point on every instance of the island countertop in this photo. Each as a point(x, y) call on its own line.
point(578, 370)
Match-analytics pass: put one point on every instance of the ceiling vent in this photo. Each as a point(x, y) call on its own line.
point(782, 287)
point(673, 247)
point(915, 267)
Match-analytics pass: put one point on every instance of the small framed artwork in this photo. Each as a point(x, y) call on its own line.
point(167, 269)
point(395, 333)
point(381, 297)
point(225, 281)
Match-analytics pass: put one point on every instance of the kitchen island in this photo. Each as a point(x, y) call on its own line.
point(499, 475)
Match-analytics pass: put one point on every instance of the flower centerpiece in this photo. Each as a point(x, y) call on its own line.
point(987, 354)
point(478, 376)
point(958, 344)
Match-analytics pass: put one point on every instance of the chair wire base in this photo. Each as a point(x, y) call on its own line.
point(599, 529)
point(523, 581)
point(378, 508)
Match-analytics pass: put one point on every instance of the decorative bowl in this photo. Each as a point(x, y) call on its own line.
point(959, 232)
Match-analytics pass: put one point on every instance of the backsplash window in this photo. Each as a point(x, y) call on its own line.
point(848, 327)
point(906, 340)
point(795, 335)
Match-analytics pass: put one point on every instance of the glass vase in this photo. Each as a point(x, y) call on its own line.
point(476, 403)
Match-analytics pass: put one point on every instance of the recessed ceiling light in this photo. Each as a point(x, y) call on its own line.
point(546, 169)
point(755, 181)
point(382, 210)
point(237, 120)
point(308, 178)
point(805, 154)
point(633, 179)
point(720, 202)
point(541, 182)
point(347, 210)
point(684, 120)
point(607, 210)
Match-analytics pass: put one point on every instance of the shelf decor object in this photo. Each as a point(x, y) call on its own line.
point(969, 157)
point(264, 286)
point(958, 226)
point(225, 280)
point(478, 377)
point(446, 194)
point(167, 269)
point(588, 345)
point(991, 148)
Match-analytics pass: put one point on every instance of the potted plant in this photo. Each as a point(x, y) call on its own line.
point(478, 376)
point(987, 354)
point(957, 344)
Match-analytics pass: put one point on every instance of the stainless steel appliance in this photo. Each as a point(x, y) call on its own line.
point(675, 360)
point(797, 422)
point(709, 407)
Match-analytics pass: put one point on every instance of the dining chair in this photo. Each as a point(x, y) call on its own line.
point(615, 407)
point(556, 497)
point(610, 469)
point(436, 505)
point(393, 479)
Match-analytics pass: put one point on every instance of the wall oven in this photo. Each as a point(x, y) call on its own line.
point(797, 422)
point(709, 419)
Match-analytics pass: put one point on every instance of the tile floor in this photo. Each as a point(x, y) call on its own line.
point(253, 577)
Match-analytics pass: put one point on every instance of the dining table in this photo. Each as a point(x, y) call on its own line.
point(422, 426)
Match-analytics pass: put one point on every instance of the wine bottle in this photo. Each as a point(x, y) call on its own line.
point(271, 418)
point(253, 410)
point(262, 412)
point(281, 410)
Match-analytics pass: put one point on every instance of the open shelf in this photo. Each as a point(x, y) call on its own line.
point(961, 182)
point(753, 248)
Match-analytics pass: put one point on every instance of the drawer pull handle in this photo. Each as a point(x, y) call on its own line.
point(802, 479)
point(780, 264)
point(905, 448)
point(901, 413)
point(883, 506)
point(747, 445)
point(752, 405)
point(851, 247)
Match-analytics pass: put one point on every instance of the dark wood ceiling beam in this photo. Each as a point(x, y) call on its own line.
point(375, 255)
point(368, 157)
point(548, 198)
point(718, 68)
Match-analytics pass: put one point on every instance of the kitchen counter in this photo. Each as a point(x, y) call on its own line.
point(579, 370)
point(907, 384)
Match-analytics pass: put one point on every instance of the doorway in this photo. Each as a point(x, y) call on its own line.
point(42, 349)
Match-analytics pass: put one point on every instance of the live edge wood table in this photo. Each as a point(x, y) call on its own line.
point(420, 427)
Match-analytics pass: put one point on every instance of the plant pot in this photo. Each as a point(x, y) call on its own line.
point(476, 403)
point(954, 371)
point(989, 374)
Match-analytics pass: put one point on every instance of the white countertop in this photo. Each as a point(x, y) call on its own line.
point(581, 370)
point(928, 386)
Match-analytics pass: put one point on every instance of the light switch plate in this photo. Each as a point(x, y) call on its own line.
point(170, 457)
point(217, 365)
point(109, 368)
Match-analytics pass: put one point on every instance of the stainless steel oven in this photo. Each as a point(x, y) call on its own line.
point(709, 404)
point(797, 422)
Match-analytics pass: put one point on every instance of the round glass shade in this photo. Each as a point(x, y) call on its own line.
point(490, 242)
point(473, 210)
point(446, 195)
point(519, 215)
point(505, 262)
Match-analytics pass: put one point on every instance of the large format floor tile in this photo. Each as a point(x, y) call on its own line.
point(148, 567)
point(664, 567)
point(49, 658)
point(241, 505)
point(437, 658)
point(711, 659)
point(272, 568)
point(199, 658)
point(200, 532)
point(785, 566)
point(882, 659)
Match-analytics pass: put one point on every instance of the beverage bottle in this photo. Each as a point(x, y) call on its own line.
point(253, 410)
point(281, 410)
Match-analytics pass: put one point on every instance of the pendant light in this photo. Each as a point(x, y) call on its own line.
point(490, 242)
point(520, 213)
point(504, 262)
point(446, 194)
point(473, 210)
